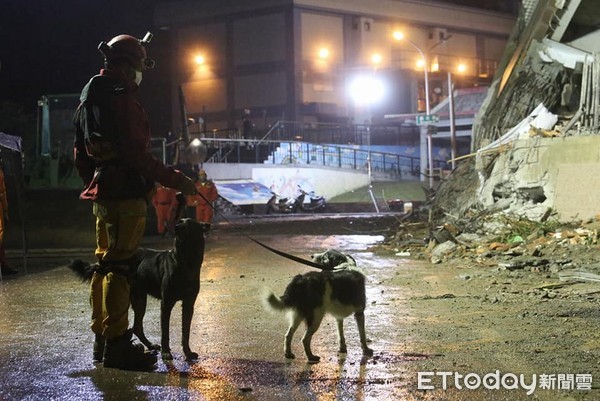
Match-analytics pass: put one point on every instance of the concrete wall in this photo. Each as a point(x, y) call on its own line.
point(327, 182)
point(576, 163)
point(566, 171)
point(230, 171)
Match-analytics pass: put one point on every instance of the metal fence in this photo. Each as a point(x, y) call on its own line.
point(329, 145)
point(302, 153)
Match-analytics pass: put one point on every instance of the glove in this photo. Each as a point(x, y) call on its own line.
point(187, 186)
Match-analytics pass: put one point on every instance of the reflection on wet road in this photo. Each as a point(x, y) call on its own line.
point(46, 344)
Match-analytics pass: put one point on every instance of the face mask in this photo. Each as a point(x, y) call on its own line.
point(138, 78)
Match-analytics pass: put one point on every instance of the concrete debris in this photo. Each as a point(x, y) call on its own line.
point(536, 135)
point(441, 251)
point(515, 244)
point(533, 131)
point(524, 200)
point(578, 275)
point(519, 264)
point(470, 239)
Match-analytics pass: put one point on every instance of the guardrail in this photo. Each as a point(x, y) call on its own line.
point(263, 151)
point(323, 144)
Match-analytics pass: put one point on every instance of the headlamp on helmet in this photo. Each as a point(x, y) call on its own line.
point(129, 48)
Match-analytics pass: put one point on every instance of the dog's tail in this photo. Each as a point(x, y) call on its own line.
point(82, 269)
point(273, 302)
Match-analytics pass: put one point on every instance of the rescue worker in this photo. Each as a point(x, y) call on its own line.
point(165, 204)
point(5, 268)
point(206, 194)
point(113, 159)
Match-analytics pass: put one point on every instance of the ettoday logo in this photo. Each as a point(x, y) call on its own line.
point(508, 381)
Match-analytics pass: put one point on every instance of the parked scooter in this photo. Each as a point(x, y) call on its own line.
point(317, 203)
point(279, 204)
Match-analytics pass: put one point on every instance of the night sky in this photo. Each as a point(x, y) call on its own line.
point(50, 47)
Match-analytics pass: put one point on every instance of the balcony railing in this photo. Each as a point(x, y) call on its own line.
point(309, 154)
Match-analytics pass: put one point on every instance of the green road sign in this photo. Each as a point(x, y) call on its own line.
point(425, 119)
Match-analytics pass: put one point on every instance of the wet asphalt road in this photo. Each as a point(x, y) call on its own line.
point(46, 344)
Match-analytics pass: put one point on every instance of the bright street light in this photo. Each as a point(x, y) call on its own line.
point(366, 90)
point(376, 59)
point(199, 59)
point(323, 53)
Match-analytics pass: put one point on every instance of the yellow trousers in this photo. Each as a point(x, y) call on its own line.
point(119, 229)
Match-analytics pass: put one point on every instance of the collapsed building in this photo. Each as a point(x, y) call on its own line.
point(535, 145)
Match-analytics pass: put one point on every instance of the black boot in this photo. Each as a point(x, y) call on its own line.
point(122, 353)
point(99, 343)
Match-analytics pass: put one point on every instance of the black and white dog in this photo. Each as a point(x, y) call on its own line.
point(339, 292)
point(169, 275)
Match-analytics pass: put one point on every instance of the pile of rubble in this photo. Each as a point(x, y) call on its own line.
point(510, 203)
point(535, 138)
point(504, 242)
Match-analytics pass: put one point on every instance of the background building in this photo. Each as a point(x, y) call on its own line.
point(327, 61)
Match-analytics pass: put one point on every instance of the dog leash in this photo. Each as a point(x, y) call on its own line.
point(269, 248)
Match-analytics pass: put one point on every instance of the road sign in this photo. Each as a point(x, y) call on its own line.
point(425, 119)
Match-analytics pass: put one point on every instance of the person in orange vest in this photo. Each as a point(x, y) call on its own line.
point(206, 194)
point(6, 269)
point(165, 204)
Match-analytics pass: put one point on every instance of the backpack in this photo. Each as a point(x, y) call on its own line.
point(94, 119)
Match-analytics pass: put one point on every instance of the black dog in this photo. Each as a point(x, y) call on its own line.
point(171, 276)
point(339, 292)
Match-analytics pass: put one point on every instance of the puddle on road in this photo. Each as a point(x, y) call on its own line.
point(351, 243)
point(241, 379)
point(307, 244)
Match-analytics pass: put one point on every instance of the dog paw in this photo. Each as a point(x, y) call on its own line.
point(343, 350)
point(154, 347)
point(367, 352)
point(290, 355)
point(167, 356)
point(313, 358)
point(191, 356)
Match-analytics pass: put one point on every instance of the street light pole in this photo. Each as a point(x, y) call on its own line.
point(427, 111)
point(426, 77)
point(452, 120)
point(425, 70)
point(424, 128)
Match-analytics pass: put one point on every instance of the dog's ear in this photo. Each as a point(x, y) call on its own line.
point(337, 258)
point(182, 222)
point(181, 225)
point(318, 257)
